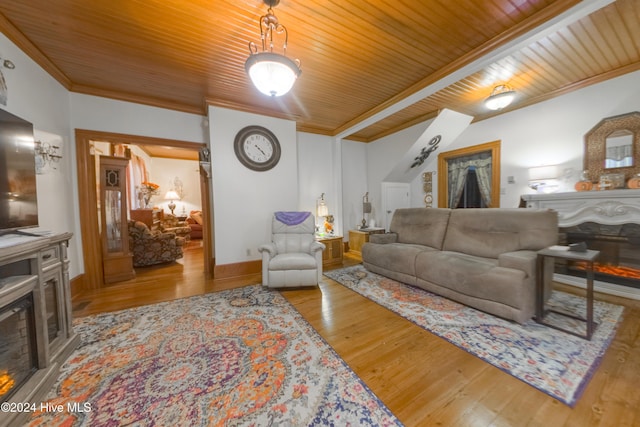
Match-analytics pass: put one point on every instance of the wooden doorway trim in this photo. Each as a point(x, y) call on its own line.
point(87, 198)
point(443, 170)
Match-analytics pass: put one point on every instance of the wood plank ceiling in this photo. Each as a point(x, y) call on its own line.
point(357, 56)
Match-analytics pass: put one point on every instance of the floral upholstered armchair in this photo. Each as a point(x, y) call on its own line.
point(150, 247)
point(171, 224)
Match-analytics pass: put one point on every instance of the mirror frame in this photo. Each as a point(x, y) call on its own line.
point(595, 145)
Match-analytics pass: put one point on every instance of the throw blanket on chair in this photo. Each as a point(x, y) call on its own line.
point(292, 218)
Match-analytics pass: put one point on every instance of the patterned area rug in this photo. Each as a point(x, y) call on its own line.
point(243, 357)
point(552, 361)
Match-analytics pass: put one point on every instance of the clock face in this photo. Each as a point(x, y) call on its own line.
point(257, 148)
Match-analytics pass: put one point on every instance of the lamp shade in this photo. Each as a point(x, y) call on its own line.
point(322, 209)
point(271, 73)
point(539, 173)
point(171, 195)
point(500, 97)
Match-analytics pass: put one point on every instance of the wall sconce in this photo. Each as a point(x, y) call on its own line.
point(46, 154)
point(366, 209)
point(205, 161)
point(8, 64)
point(543, 179)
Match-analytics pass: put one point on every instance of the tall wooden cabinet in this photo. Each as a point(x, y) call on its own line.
point(117, 259)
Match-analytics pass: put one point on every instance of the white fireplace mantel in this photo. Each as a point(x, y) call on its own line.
point(609, 207)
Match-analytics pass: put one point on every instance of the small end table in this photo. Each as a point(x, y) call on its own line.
point(357, 238)
point(552, 252)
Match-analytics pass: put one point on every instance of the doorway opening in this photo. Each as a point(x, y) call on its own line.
point(452, 169)
point(471, 195)
point(93, 277)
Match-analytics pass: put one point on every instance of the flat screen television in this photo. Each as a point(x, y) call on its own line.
point(18, 196)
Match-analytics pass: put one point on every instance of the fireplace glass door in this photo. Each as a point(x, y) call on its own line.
point(619, 246)
point(18, 357)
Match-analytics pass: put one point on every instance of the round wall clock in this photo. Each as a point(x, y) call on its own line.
point(257, 148)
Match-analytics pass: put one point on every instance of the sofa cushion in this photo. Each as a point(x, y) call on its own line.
point(399, 257)
point(420, 226)
point(293, 261)
point(475, 276)
point(490, 232)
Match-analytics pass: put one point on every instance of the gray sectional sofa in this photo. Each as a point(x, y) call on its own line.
point(484, 258)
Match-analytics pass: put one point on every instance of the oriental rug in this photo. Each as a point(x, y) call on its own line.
point(242, 357)
point(553, 361)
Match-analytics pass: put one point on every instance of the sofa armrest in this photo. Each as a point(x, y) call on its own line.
point(316, 247)
point(268, 249)
point(520, 260)
point(383, 238)
point(160, 237)
point(527, 262)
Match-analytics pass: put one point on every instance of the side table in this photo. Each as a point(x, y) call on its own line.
point(588, 258)
point(333, 251)
point(357, 238)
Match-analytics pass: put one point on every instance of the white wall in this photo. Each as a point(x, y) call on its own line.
point(109, 115)
point(244, 200)
point(382, 155)
point(548, 133)
point(354, 174)
point(35, 96)
point(551, 132)
point(164, 171)
point(316, 172)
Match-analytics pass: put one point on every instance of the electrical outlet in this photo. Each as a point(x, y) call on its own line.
point(511, 180)
point(248, 252)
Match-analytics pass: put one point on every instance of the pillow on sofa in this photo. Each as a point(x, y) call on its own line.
point(197, 216)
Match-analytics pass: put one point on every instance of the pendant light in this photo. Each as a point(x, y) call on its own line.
point(271, 73)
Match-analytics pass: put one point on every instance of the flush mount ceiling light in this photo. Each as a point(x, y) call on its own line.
point(500, 97)
point(271, 73)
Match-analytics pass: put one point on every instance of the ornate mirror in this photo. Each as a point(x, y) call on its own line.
point(613, 146)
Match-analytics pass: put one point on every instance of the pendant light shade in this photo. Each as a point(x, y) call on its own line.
point(500, 97)
point(271, 73)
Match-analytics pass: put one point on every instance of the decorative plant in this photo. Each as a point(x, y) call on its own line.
point(147, 190)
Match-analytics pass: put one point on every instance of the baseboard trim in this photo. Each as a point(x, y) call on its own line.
point(603, 287)
point(246, 268)
point(77, 285)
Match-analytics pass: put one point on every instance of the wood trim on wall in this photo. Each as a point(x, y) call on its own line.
point(443, 175)
point(77, 285)
point(91, 248)
point(238, 269)
point(207, 218)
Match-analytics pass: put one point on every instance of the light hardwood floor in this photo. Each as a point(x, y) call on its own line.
point(424, 380)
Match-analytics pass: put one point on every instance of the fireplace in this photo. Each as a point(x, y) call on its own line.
point(36, 331)
point(607, 221)
point(18, 352)
point(619, 247)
